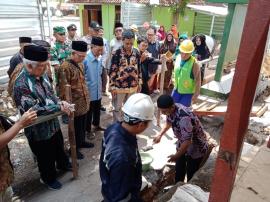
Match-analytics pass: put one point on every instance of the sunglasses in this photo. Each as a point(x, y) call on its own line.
point(62, 34)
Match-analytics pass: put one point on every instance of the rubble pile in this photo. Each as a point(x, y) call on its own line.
point(7, 107)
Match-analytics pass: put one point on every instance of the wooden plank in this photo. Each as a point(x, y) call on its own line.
point(45, 118)
point(71, 134)
point(161, 87)
point(261, 111)
point(197, 107)
point(220, 109)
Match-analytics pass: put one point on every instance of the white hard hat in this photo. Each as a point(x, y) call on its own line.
point(139, 106)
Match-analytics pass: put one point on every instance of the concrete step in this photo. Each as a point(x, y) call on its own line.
point(253, 176)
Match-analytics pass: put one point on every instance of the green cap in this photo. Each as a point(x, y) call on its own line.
point(59, 29)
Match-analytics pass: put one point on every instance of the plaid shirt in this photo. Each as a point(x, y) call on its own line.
point(6, 169)
point(38, 94)
point(73, 74)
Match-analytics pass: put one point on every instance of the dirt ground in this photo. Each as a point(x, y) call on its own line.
point(26, 173)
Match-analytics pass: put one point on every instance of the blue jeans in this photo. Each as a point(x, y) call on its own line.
point(184, 99)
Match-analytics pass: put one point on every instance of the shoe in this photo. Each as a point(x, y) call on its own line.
point(87, 145)
point(90, 135)
point(80, 156)
point(102, 109)
point(67, 168)
point(54, 185)
point(99, 128)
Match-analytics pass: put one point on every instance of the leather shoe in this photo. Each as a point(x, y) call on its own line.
point(87, 145)
point(99, 128)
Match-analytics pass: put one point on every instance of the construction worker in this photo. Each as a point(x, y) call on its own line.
point(186, 75)
point(192, 143)
point(120, 162)
point(135, 30)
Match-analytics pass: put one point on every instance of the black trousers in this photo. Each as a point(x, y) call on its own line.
point(202, 73)
point(186, 165)
point(93, 115)
point(80, 129)
point(49, 152)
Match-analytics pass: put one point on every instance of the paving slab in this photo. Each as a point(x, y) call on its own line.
point(254, 182)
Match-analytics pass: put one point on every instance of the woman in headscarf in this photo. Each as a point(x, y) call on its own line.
point(201, 51)
point(162, 33)
point(168, 47)
point(175, 32)
point(182, 37)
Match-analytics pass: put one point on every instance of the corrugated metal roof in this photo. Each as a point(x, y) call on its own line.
point(161, 2)
point(210, 10)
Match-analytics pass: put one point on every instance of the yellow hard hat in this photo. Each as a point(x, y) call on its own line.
point(187, 46)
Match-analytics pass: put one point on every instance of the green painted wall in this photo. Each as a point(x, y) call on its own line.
point(235, 33)
point(203, 25)
point(81, 7)
point(108, 17)
point(163, 16)
point(186, 22)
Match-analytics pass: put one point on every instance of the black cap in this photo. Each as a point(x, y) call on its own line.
point(72, 27)
point(42, 43)
point(165, 102)
point(80, 46)
point(118, 24)
point(98, 41)
point(95, 25)
point(25, 40)
point(35, 53)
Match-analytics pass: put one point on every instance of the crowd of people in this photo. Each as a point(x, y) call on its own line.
point(128, 67)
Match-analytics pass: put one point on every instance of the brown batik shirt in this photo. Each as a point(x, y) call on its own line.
point(6, 169)
point(73, 74)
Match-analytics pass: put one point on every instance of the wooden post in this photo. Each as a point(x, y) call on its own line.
point(161, 86)
point(241, 98)
point(71, 133)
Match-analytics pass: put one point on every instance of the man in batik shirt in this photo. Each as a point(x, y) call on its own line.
point(72, 73)
point(125, 78)
point(192, 143)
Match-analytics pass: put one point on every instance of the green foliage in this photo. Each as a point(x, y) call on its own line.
point(179, 6)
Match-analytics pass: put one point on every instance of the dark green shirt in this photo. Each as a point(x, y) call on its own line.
point(38, 94)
